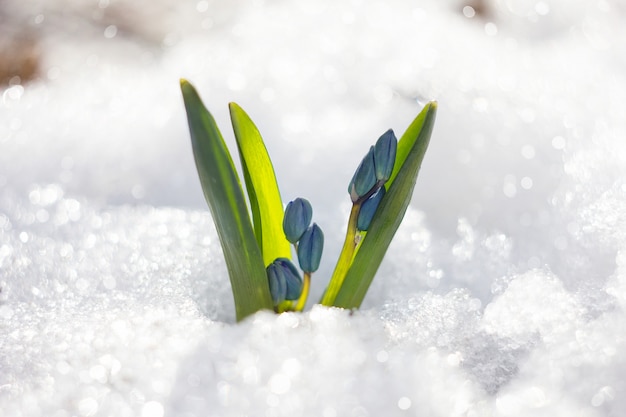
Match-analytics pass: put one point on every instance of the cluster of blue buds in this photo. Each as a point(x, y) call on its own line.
point(284, 279)
point(367, 184)
point(367, 189)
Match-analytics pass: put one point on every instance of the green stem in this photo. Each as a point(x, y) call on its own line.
point(284, 306)
point(305, 292)
point(345, 259)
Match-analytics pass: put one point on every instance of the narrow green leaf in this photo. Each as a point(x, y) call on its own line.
point(222, 190)
point(410, 136)
point(411, 149)
point(265, 201)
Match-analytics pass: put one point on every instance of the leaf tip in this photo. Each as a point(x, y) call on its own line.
point(187, 89)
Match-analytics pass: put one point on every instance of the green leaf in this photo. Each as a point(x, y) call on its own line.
point(371, 251)
point(263, 193)
point(222, 190)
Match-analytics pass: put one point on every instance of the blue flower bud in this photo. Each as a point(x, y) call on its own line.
point(385, 155)
point(278, 286)
point(297, 218)
point(284, 279)
point(368, 209)
point(364, 178)
point(310, 248)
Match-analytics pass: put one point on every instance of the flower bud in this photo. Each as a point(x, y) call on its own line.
point(297, 218)
point(364, 178)
point(284, 280)
point(385, 155)
point(310, 248)
point(368, 209)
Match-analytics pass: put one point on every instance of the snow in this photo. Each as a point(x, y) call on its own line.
point(503, 293)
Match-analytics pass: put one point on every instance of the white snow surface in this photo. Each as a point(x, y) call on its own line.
point(503, 293)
